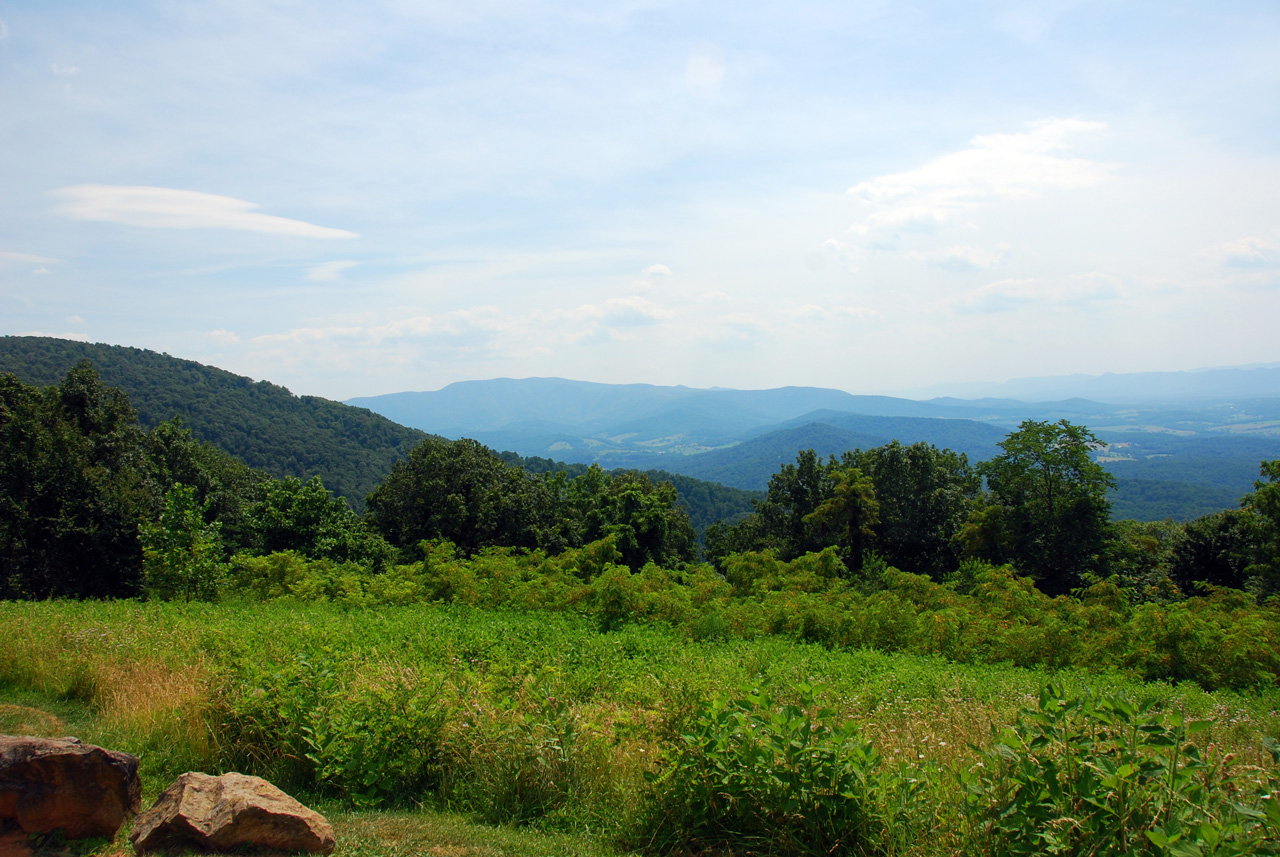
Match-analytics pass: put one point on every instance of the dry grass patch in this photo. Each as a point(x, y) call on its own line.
point(24, 720)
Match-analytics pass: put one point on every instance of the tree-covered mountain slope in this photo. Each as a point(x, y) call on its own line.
point(262, 424)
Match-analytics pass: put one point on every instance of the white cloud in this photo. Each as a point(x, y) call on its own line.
point(169, 208)
point(41, 271)
point(632, 311)
point(1033, 292)
point(8, 257)
point(657, 271)
point(837, 313)
point(328, 271)
point(704, 72)
point(1247, 253)
point(74, 319)
point(416, 325)
point(962, 258)
point(4, 31)
point(63, 70)
point(993, 168)
point(222, 336)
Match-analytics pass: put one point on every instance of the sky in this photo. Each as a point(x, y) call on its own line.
point(357, 199)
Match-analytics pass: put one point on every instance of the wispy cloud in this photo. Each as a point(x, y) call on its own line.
point(836, 313)
point(170, 208)
point(704, 72)
point(657, 271)
point(992, 168)
point(1247, 253)
point(1041, 294)
point(962, 258)
point(630, 311)
point(9, 257)
point(327, 271)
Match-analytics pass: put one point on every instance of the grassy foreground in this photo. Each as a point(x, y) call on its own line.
point(396, 720)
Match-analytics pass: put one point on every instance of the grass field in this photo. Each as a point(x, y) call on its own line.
point(454, 730)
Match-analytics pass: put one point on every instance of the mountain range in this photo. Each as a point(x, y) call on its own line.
point(1171, 458)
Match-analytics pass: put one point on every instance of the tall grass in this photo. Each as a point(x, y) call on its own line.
point(540, 718)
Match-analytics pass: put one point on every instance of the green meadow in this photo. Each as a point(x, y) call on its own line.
point(538, 731)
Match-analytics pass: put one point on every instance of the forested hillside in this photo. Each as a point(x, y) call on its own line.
point(262, 424)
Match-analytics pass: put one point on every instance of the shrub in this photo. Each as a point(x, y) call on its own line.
point(1096, 774)
point(752, 774)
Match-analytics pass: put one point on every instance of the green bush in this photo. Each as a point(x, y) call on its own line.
point(1095, 774)
point(753, 774)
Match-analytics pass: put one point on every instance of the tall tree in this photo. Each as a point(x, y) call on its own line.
point(459, 490)
point(1264, 502)
point(74, 486)
point(181, 552)
point(851, 510)
point(645, 517)
point(305, 517)
point(1051, 501)
point(925, 494)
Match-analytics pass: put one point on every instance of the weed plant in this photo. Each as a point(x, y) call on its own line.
point(543, 718)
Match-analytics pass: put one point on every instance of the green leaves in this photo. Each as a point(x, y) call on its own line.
point(181, 552)
point(1099, 774)
point(786, 776)
point(1054, 509)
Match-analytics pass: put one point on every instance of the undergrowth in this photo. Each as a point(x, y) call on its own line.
point(641, 736)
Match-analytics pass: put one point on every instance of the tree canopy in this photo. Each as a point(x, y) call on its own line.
point(1048, 511)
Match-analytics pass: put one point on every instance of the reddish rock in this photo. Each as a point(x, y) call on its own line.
point(51, 783)
point(228, 812)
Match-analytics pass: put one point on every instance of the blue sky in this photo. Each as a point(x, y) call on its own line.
point(359, 199)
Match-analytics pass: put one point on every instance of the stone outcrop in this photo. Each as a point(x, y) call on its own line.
point(51, 783)
point(228, 812)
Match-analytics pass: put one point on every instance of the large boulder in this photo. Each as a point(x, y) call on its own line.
point(51, 783)
point(228, 812)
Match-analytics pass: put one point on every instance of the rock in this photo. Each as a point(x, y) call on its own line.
point(228, 812)
point(47, 783)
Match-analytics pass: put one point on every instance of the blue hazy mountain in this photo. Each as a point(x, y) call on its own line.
point(1172, 457)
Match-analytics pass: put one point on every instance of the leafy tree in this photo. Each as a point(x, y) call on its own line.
point(1140, 556)
point(646, 519)
point(181, 552)
point(74, 486)
point(293, 515)
point(460, 491)
point(852, 510)
point(1218, 549)
point(794, 495)
point(1264, 502)
point(925, 495)
point(224, 486)
point(1052, 500)
point(908, 502)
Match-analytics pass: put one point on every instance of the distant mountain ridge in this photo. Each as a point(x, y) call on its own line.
point(562, 405)
point(1179, 458)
